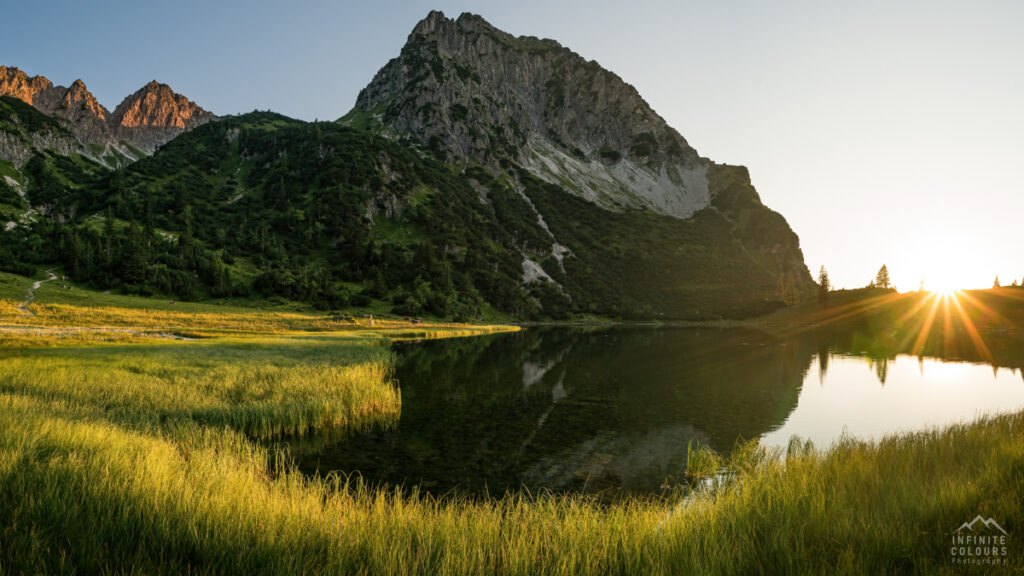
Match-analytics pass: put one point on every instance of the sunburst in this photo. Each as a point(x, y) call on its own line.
point(957, 308)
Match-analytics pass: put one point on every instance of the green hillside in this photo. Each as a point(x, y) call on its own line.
point(266, 206)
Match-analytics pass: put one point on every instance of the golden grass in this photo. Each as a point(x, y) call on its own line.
point(141, 458)
point(62, 324)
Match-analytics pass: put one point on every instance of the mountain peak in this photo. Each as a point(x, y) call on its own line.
point(430, 24)
point(75, 103)
point(156, 105)
point(471, 19)
point(15, 82)
point(77, 100)
point(147, 119)
point(471, 91)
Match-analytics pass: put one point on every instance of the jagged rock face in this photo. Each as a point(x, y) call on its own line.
point(157, 106)
point(76, 103)
point(21, 135)
point(86, 117)
point(154, 115)
point(14, 82)
point(146, 120)
point(476, 92)
point(24, 129)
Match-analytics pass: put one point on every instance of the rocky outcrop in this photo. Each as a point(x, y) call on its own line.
point(74, 104)
point(145, 120)
point(24, 129)
point(17, 150)
point(85, 116)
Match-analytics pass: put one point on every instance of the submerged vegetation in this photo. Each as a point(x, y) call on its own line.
point(150, 457)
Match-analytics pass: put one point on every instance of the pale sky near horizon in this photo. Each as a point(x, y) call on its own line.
point(885, 132)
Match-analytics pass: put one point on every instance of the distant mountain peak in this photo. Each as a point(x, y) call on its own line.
point(77, 100)
point(15, 82)
point(156, 105)
point(147, 119)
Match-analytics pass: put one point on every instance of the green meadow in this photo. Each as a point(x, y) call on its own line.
point(161, 456)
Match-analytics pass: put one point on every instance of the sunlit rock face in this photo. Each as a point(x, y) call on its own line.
point(154, 115)
point(147, 119)
point(16, 83)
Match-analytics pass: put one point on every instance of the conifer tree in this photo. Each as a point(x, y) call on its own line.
point(133, 258)
point(108, 233)
point(148, 221)
point(824, 285)
point(882, 278)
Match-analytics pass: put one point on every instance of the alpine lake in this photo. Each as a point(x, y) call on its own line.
point(613, 410)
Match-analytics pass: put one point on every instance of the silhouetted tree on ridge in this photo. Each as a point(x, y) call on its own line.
point(824, 285)
point(882, 278)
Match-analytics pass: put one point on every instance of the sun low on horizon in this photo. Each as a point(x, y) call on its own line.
point(944, 283)
point(920, 255)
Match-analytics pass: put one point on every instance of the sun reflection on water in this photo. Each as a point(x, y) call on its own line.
point(857, 396)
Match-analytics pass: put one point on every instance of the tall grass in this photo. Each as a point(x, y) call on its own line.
point(64, 317)
point(263, 387)
point(141, 459)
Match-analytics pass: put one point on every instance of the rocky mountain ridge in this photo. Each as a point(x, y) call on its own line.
point(143, 121)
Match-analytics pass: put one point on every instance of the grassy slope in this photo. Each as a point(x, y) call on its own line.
point(143, 458)
point(990, 306)
point(13, 287)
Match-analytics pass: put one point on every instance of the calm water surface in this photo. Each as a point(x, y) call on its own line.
point(614, 409)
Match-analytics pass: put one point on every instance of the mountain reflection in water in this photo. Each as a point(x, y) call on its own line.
point(614, 409)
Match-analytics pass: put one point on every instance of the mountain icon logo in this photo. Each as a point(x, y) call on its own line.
point(986, 522)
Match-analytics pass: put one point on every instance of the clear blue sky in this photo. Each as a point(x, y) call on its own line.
point(885, 132)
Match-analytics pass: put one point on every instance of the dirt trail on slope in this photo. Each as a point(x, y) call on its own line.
point(30, 295)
